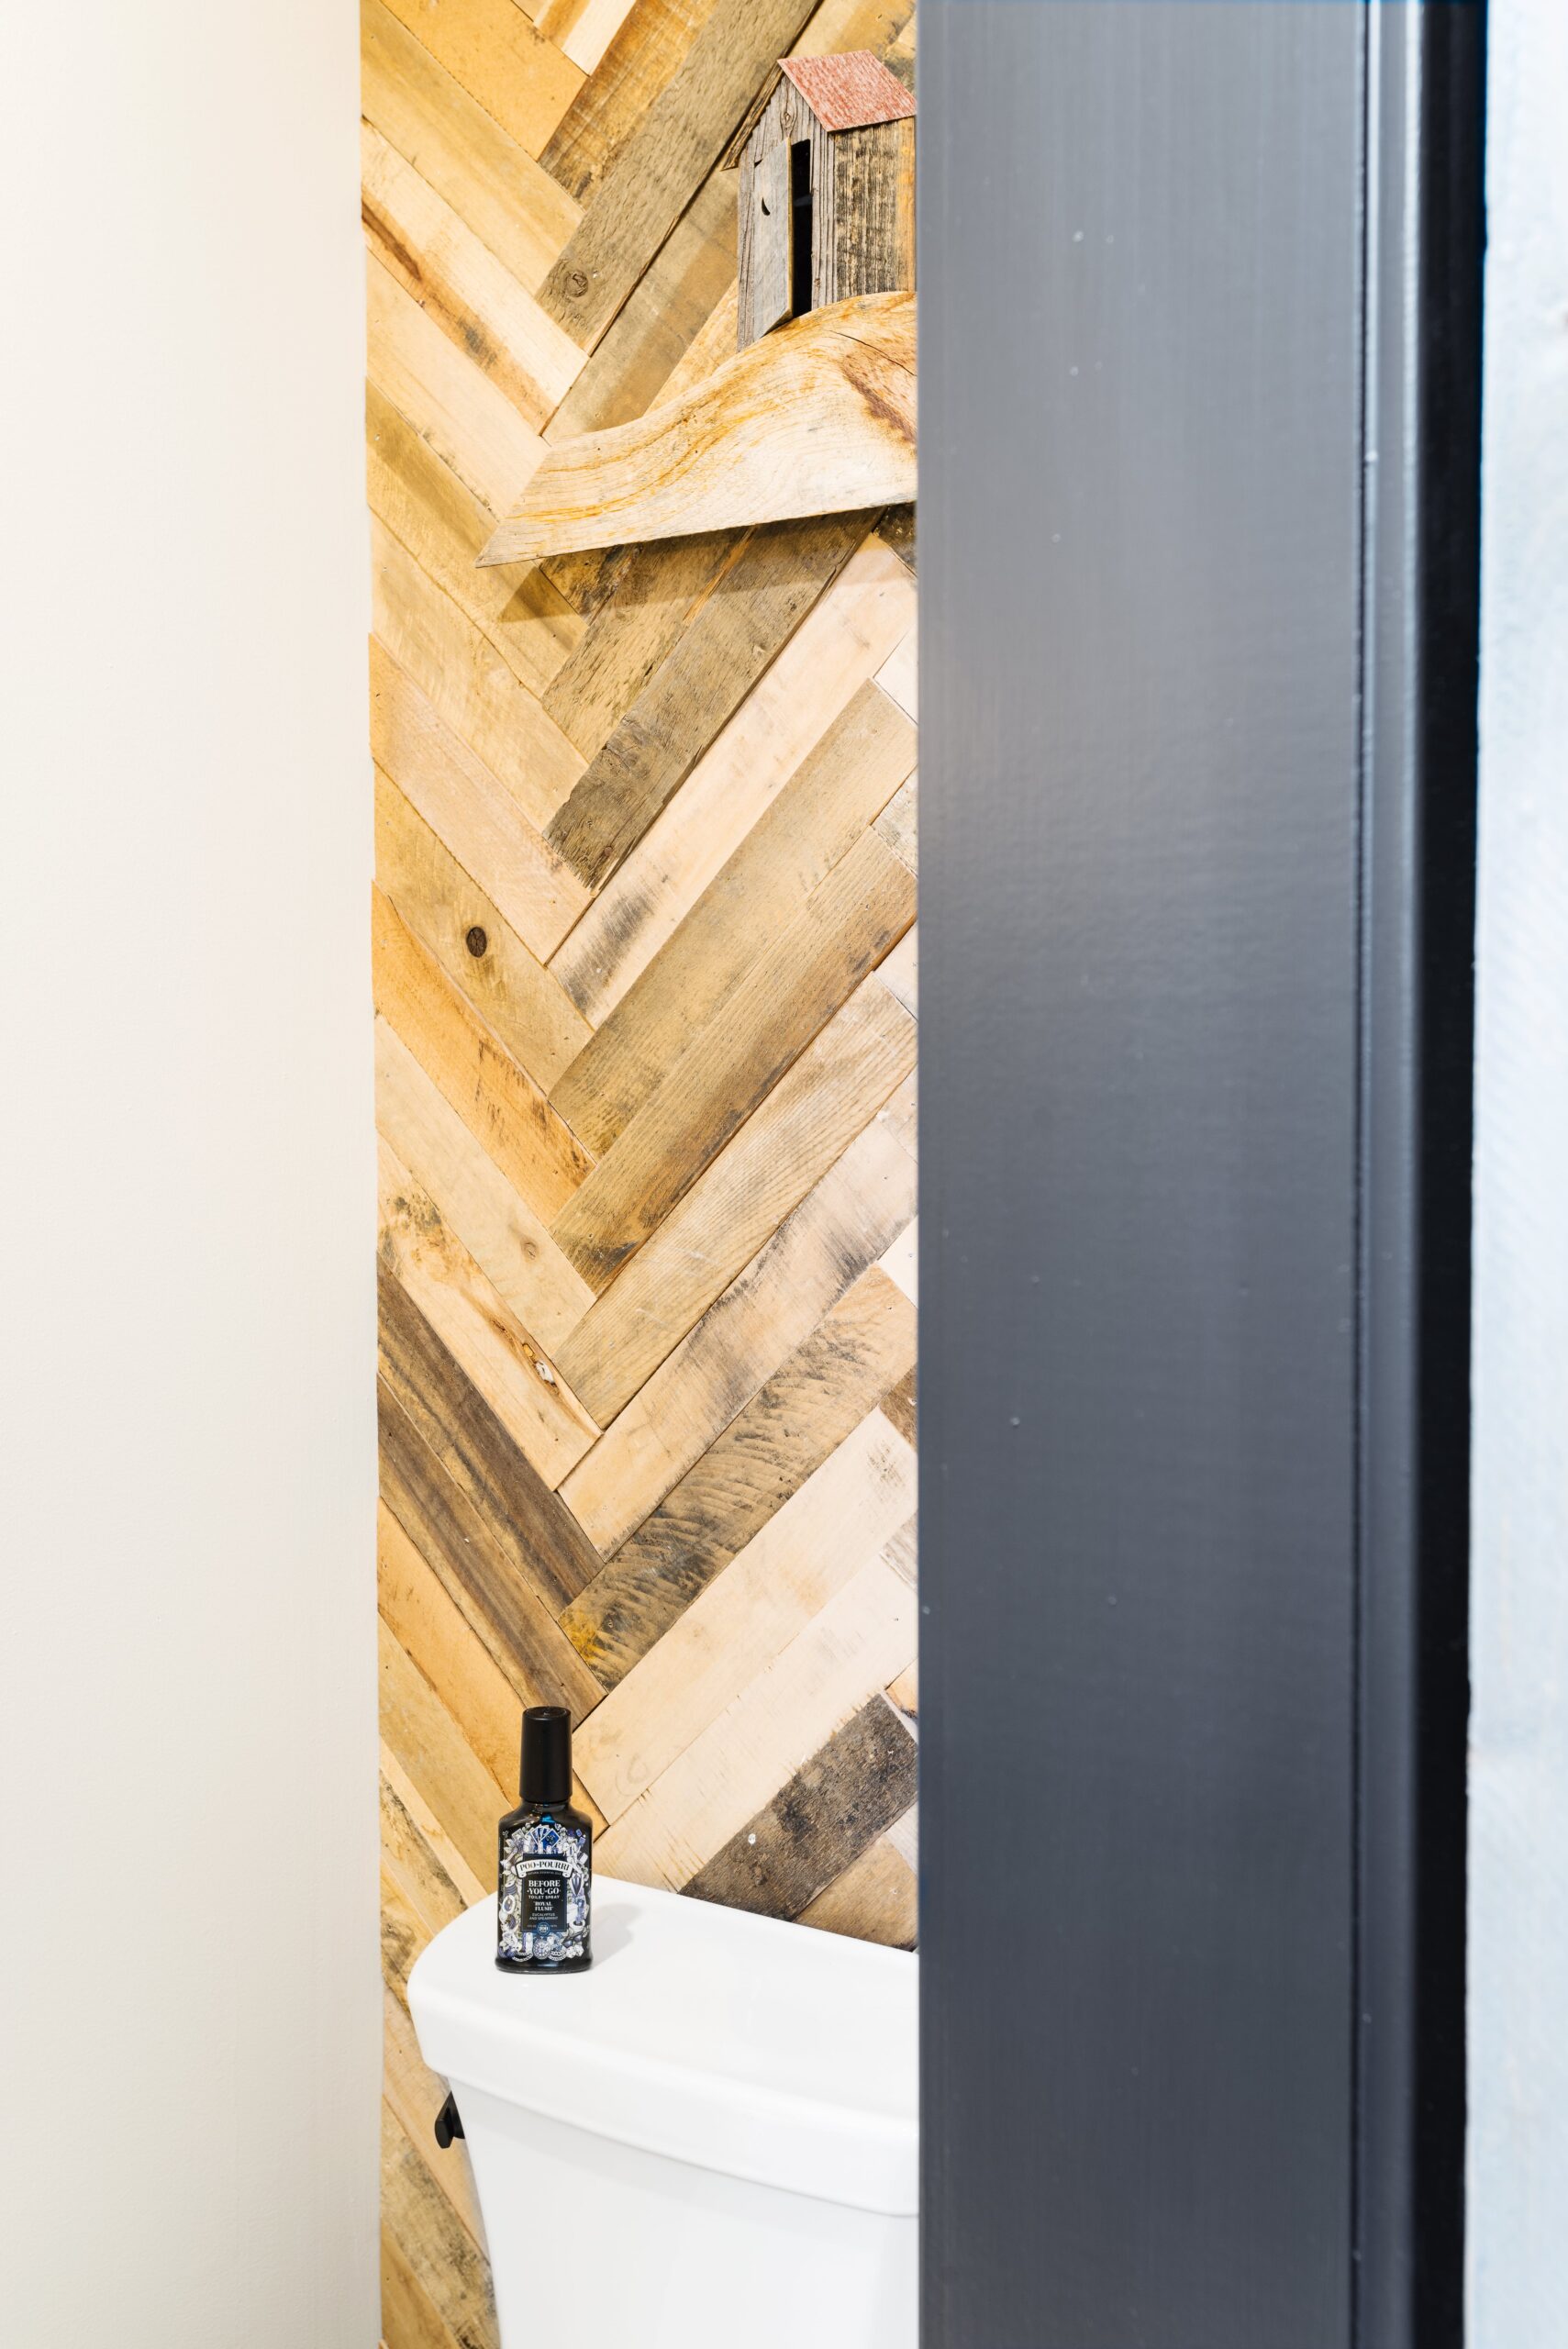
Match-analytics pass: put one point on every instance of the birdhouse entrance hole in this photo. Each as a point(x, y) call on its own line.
point(800, 241)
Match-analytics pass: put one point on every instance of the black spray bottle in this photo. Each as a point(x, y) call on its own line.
point(546, 1860)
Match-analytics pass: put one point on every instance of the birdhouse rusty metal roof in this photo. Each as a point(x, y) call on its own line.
point(849, 93)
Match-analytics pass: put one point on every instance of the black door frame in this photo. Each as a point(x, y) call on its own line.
point(1200, 366)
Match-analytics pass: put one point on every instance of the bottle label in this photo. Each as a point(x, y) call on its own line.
point(543, 1887)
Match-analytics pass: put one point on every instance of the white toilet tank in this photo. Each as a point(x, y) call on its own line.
point(709, 2139)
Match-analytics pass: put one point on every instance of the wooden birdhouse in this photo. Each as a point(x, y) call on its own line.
point(827, 189)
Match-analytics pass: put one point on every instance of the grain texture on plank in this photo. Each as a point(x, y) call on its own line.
point(839, 1230)
point(644, 56)
point(500, 1604)
point(504, 1110)
point(817, 418)
point(859, 1350)
point(531, 1526)
point(491, 49)
point(876, 1899)
point(451, 403)
point(658, 591)
point(839, 788)
point(820, 1821)
point(660, 164)
point(850, 921)
point(833, 1091)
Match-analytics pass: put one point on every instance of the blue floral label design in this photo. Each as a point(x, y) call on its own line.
point(544, 1893)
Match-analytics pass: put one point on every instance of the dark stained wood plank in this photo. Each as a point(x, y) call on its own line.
point(499, 1602)
point(532, 1530)
point(862, 1779)
point(665, 161)
point(667, 310)
point(657, 591)
point(847, 925)
point(778, 574)
point(838, 790)
point(806, 1410)
point(644, 58)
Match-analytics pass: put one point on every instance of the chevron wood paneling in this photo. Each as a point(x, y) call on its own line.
point(644, 976)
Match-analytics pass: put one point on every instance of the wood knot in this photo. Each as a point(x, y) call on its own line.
point(476, 942)
point(577, 284)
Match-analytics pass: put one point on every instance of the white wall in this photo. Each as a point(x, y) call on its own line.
point(189, 1996)
point(1518, 2031)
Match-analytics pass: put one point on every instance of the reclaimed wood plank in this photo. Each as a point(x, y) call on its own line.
point(444, 2259)
point(581, 29)
point(501, 1106)
point(471, 810)
point(663, 161)
point(833, 1092)
point(859, 1350)
point(442, 525)
point(835, 1234)
point(876, 1899)
point(840, 786)
point(434, 255)
point(784, 1575)
point(408, 2318)
point(899, 823)
point(667, 310)
point(846, 926)
point(759, 602)
point(416, 2095)
point(820, 1821)
point(816, 417)
point(642, 57)
point(658, 591)
point(900, 1406)
point(510, 1243)
point(492, 51)
point(847, 1650)
point(521, 1385)
point(434, 1634)
point(513, 205)
point(532, 1530)
point(431, 1747)
point(448, 399)
point(471, 689)
point(501, 1605)
point(469, 937)
point(837, 646)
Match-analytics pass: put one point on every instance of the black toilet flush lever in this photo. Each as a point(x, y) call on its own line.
point(448, 2123)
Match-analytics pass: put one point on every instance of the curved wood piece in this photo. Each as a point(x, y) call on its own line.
point(818, 418)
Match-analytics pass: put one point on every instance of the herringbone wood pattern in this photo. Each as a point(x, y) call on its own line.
point(644, 978)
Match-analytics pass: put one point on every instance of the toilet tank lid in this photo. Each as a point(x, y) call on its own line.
point(767, 2051)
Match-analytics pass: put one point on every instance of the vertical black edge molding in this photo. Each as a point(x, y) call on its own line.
point(1424, 245)
point(1227, 2112)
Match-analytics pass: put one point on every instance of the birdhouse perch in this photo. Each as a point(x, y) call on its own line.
point(826, 190)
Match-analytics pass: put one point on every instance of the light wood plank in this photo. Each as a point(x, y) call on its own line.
point(839, 787)
point(784, 1575)
point(426, 508)
point(899, 971)
point(756, 605)
point(663, 161)
point(434, 1633)
point(847, 1651)
point(521, 1385)
point(416, 2095)
point(478, 949)
point(471, 810)
point(474, 298)
point(900, 674)
point(642, 57)
point(658, 591)
point(833, 1092)
point(448, 399)
point(810, 1406)
point(832, 1238)
point(876, 1899)
point(471, 689)
point(899, 823)
point(490, 47)
point(442, 2256)
point(512, 203)
point(510, 1244)
point(586, 28)
point(843, 930)
point(817, 418)
point(502, 1108)
point(837, 646)
point(432, 1749)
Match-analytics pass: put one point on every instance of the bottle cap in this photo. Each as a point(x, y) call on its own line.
point(546, 1755)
